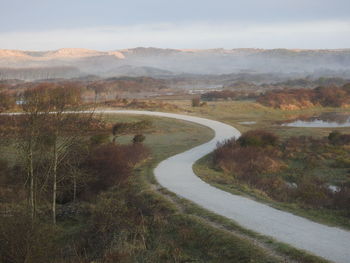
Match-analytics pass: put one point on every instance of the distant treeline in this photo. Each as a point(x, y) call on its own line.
point(92, 90)
point(306, 82)
point(35, 73)
point(332, 96)
point(227, 95)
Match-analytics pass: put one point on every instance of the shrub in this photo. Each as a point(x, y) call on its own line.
point(196, 102)
point(99, 139)
point(337, 138)
point(258, 138)
point(138, 138)
point(112, 164)
point(246, 163)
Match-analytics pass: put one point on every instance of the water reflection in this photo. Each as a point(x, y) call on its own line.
point(247, 122)
point(325, 120)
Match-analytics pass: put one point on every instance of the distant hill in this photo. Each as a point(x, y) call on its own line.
point(167, 62)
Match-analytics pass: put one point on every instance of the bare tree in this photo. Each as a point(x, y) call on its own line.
point(65, 129)
point(36, 107)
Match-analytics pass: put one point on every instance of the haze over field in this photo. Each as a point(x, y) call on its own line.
point(169, 62)
point(108, 38)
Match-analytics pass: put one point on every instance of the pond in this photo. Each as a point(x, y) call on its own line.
point(247, 122)
point(325, 120)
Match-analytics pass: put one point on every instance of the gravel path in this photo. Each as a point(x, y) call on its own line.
point(176, 174)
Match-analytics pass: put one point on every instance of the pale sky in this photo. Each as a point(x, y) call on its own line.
point(110, 25)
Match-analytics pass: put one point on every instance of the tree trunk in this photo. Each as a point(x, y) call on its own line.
point(54, 183)
point(31, 176)
point(74, 188)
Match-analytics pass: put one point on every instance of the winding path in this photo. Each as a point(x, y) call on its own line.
point(176, 174)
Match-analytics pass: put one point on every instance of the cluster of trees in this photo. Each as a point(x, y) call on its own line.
point(56, 164)
point(261, 160)
point(303, 98)
point(46, 128)
point(52, 145)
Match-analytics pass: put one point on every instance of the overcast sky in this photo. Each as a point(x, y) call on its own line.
point(117, 24)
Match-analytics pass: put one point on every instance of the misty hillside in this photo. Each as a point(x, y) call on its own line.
point(166, 62)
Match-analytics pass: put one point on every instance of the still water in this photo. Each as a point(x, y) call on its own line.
point(325, 120)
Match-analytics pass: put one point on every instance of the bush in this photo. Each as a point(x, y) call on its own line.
point(112, 164)
point(99, 139)
point(138, 138)
point(258, 138)
point(246, 163)
point(337, 138)
point(196, 102)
